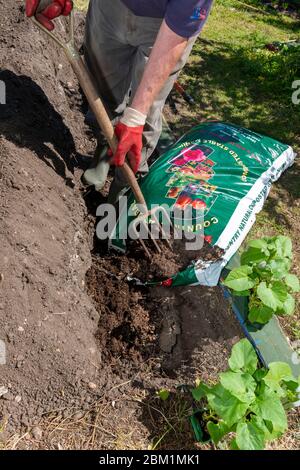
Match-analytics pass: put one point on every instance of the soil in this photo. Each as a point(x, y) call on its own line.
point(75, 331)
point(171, 324)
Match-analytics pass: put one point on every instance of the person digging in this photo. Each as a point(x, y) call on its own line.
point(134, 50)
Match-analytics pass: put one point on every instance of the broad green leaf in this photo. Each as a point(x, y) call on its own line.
point(163, 394)
point(261, 314)
point(241, 385)
point(227, 406)
point(262, 273)
point(253, 256)
point(233, 445)
point(293, 282)
point(288, 263)
point(279, 267)
point(283, 246)
point(259, 374)
point(249, 436)
point(217, 431)
point(288, 306)
point(263, 425)
point(271, 409)
point(259, 243)
point(243, 357)
point(273, 434)
point(266, 296)
point(280, 290)
point(200, 391)
point(260, 407)
point(277, 372)
point(242, 293)
point(272, 296)
point(238, 279)
point(292, 385)
point(270, 241)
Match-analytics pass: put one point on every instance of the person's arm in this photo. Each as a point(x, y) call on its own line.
point(165, 54)
point(167, 50)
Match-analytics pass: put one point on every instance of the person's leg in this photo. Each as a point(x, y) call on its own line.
point(109, 58)
point(107, 53)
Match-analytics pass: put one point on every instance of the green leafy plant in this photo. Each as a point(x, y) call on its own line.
point(264, 276)
point(163, 394)
point(248, 401)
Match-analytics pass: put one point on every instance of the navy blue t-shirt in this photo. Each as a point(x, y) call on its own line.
point(185, 17)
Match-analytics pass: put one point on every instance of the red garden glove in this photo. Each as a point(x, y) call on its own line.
point(47, 10)
point(130, 134)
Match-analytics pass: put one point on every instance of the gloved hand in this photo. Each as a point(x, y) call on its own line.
point(130, 134)
point(47, 10)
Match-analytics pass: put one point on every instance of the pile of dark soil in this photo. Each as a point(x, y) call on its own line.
point(125, 328)
point(188, 330)
point(47, 321)
point(74, 330)
point(172, 259)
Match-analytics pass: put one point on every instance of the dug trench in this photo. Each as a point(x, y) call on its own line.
point(74, 331)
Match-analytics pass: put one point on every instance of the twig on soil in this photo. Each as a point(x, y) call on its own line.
point(94, 365)
point(16, 442)
point(92, 440)
point(164, 300)
point(120, 385)
point(95, 426)
point(157, 410)
point(186, 292)
point(154, 447)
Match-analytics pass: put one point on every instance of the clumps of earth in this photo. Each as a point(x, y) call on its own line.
point(73, 329)
point(172, 258)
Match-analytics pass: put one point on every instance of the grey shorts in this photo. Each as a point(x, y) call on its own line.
point(117, 47)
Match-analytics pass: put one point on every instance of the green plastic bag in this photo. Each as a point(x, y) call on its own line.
point(224, 169)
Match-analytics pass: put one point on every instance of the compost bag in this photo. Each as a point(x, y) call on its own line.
point(224, 169)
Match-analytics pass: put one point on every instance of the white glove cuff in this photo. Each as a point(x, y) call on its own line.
point(133, 118)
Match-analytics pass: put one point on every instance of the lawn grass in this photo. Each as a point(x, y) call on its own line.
point(233, 78)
